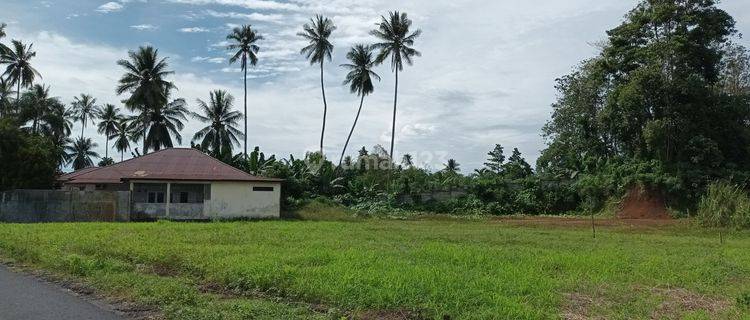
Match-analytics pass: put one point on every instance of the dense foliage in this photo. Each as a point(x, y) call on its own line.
point(667, 100)
point(26, 161)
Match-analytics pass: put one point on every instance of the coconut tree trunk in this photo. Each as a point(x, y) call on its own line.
point(145, 131)
point(18, 97)
point(244, 63)
point(325, 108)
point(106, 146)
point(393, 126)
point(352, 131)
point(83, 126)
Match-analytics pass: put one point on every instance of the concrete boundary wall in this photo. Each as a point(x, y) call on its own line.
point(64, 206)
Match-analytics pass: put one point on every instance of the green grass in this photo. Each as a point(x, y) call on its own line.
point(434, 268)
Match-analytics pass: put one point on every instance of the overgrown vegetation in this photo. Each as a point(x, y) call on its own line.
point(434, 269)
point(725, 206)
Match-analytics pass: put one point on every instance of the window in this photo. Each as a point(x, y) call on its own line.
point(183, 197)
point(263, 189)
point(156, 197)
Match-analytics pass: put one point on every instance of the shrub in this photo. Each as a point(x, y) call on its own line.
point(724, 205)
point(744, 300)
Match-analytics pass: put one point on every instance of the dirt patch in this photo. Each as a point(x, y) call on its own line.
point(641, 203)
point(678, 301)
point(675, 303)
point(578, 306)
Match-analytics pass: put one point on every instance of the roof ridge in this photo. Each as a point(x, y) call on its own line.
point(120, 163)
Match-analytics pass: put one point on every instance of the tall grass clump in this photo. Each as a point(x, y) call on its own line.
point(725, 205)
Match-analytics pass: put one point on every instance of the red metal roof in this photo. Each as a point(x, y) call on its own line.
point(168, 164)
point(71, 175)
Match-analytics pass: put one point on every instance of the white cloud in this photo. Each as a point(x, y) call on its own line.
point(248, 4)
point(216, 60)
point(255, 16)
point(144, 27)
point(193, 30)
point(110, 7)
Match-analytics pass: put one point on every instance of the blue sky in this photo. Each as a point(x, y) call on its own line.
point(486, 75)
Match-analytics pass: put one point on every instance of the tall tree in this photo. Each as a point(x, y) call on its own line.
point(122, 136)
point(396, 42)
point(516, 167)
point(244, 40)
point(35, 104)
point(6, 91)
point(19, 70)
point(57, 122)
point(164, 123)
point(317, 51)
point(655, 92)
point(496, 158)
point(80, 154)
point(145, 80)
point(407, 161)
point(452, 166)
point(85, 109)
point(110, 117)
point(359, 80)
point(3, 48)
point(221, 133)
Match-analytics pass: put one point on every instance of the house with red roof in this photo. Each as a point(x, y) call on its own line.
point(179, 183)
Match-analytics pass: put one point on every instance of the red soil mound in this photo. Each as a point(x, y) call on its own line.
point(640, 203)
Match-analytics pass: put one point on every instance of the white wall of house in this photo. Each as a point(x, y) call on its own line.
point(244, 200)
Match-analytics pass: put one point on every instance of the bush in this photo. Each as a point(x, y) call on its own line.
point(744, 300)
point(724, 205)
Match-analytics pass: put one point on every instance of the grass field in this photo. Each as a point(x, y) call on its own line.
point(398, 269)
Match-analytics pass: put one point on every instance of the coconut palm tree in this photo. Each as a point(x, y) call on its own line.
point(80, 154)
point(85, 109)
point(317, 51)
point(58, 120)
point(19, 70)
point(396, 43)
point(35, 105)
point(122, 135)
point(61, 145)
point(3, 48)
point(359, 80)
point(6, 91)
point(244, 40)
point(221, 134)
point(452, 166)
point(145, 81)
point(407, 161)
point(109, 116)
point(163, 123)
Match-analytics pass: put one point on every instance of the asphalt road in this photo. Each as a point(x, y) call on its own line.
point(25, 298)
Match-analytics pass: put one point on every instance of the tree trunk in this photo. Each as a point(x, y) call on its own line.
point(244, 63)
point(18, 97)
point(393, 127)
point(83, 126)
point(361, 101)
point(122, 155)
point(145, 132)
point(325, 108)
point(106, 146)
